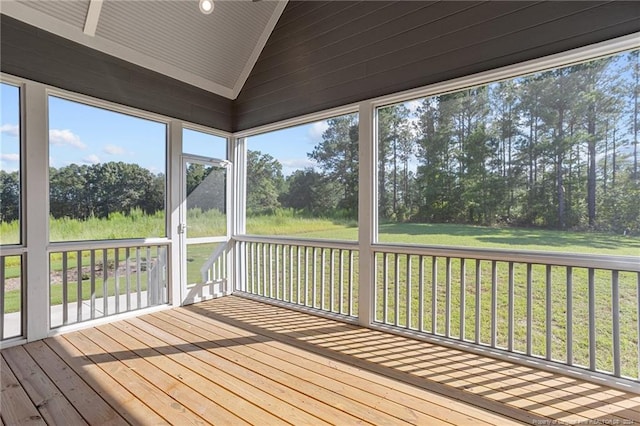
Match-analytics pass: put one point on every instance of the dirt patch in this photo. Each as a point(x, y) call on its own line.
point(56, 277)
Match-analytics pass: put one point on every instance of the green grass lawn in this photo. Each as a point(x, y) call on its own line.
point(407, 314)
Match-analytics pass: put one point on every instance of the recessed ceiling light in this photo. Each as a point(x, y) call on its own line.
point(206, 6)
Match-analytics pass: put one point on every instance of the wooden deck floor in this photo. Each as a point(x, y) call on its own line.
point(237, 361)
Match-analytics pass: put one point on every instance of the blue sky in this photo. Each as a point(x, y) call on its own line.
point(83, 134)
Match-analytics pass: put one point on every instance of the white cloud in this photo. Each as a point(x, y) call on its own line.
point(316, 130)
point(113, 150)
point(10, 157)
point(10, 129)
point(290, 165)
point(91, 159)
point(65, 137)
point(297, 163)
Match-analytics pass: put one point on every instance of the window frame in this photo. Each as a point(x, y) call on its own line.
point(19, 84)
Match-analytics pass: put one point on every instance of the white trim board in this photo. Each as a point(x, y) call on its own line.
point(62, 29)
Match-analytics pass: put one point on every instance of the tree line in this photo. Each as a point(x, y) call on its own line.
point(556, 149)
point(83, 191)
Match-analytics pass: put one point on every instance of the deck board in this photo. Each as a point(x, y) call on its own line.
point(239, 361)
point(53, 406)
point(15, 405)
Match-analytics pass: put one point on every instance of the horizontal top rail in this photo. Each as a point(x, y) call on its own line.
point(330, 244)
point(107, 244)
point(12, 250)
point(622, 263)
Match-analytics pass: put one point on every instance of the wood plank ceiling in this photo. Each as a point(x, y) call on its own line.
point(214, 52)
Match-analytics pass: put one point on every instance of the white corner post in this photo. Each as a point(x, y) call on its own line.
point(367, 213)
point(174, 202)
point(36, 208)
point(238, 155)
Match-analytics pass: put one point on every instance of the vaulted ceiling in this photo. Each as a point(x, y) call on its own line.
point(252, 63)
point(215, 52)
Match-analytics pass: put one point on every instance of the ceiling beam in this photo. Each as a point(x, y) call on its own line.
point(93, 15)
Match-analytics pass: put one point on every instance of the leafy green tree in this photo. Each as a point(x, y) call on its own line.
point(265, 182)
point(337, 157)
point(309, 191)
point(9, 196)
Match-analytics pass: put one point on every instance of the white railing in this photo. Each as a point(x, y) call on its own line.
point(214, 270)
point(315, 274)
point(94, 280)
point(12, 294)
point(578, 310)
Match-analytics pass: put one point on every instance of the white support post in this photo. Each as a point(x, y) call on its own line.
point(367, 213)
point(174, 202)
point(238, 154)
point(36, 211)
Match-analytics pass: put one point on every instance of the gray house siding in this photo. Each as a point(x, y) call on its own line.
point(327, 54)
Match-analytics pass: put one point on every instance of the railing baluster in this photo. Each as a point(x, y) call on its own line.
point(408, 294)
point(592, 320)
point(116, 278)
point(447, 298)
point(150, 285)
point(529, 309)
point(463, 292)
point(494, 304)
point(290, 272)
point(351, 266)
point(615, 296)
point(93, 284)
point(385, 287)
point(323, 261)
point(298, 269)
point(396, 299)
point(65, 287)
point(278, 280)
point(549, 314)
point(138, 279)
point(105, 279)
point(128, 277)
point(313, 278)
point(569, 315)
point(434, 295)
point(2, 279)
point(79, 288)
point(332, 281)
point(478, 298)
point(270, 270)
point(341, 279)
point(421, 293)
point(306, 276)
point(254, 268)
point(511, 324)
point(264, 270)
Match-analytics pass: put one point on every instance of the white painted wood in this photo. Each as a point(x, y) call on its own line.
point(93, 16)
point(367, 213)
point(35, 141)
point(255, 54)
point(38, 19)
point(177, 274)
